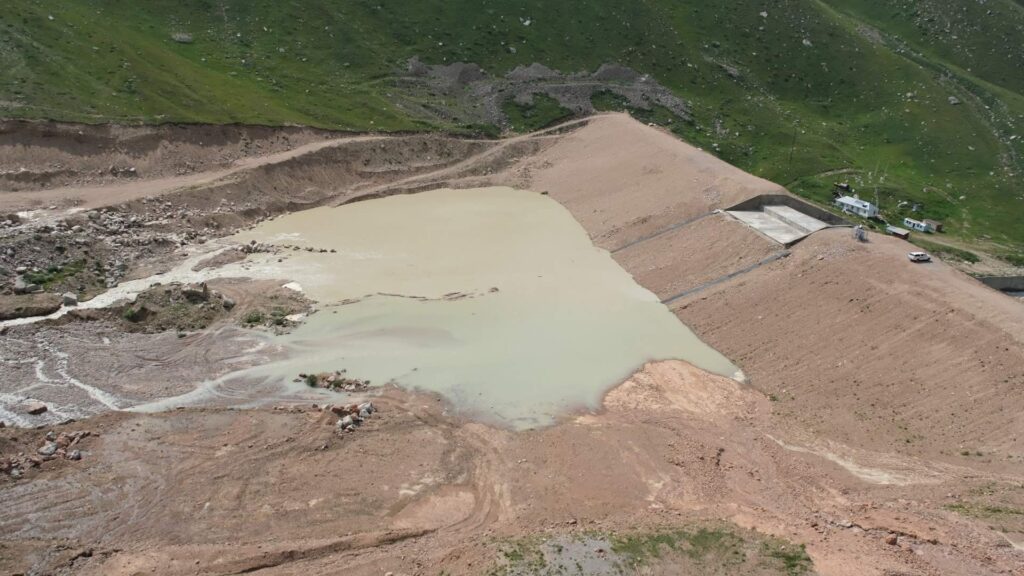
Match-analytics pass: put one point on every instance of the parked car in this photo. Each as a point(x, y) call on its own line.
point(919, 257)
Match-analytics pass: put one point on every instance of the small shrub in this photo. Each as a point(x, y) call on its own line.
point(133, 313)
point(1015, 259)
point(794, 557)
point(254, 317)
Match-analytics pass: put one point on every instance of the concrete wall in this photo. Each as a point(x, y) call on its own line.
point(1005, 283)
point(759, 202)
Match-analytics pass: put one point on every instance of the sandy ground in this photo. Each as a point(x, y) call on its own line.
point(880, 426)
point(277, 492)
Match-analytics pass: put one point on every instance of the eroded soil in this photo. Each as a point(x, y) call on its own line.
point(879, 428)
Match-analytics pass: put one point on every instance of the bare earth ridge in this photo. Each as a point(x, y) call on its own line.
point(880, 425)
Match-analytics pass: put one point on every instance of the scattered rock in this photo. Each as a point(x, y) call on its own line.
point(351, 415)
point(254, 247)
point(891, 539)
point(954, 100)
point(36, 408)
point(615, 73)
point(120, 171)
point(70, 299)
point(334, 381)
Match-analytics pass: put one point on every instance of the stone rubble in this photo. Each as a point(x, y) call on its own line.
point(95, 249)
point(351, 415)
point(54, 446)
point(333, 381)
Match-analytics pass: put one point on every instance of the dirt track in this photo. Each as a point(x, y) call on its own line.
point(883, 399)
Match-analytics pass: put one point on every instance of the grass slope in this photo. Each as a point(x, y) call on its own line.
point(803, 92)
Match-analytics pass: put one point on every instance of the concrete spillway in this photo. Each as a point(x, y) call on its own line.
point(783, 224)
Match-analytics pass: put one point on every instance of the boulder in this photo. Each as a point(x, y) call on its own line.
point(70, 299)
point(26, 305)
point(36, 408)
point(348, 422)
point(22, 286)
point(48, 449)
point(196, 292)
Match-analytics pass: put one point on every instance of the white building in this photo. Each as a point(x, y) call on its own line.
point(857, 206)
point(917, 225)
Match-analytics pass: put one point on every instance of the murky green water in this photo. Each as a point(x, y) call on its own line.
point(536, 320)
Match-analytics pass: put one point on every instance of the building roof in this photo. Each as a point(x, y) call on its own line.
point(896, 230)
point(854, 201)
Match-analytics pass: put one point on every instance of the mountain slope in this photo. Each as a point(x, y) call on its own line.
point(802, 92)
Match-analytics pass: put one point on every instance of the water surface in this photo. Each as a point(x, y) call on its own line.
point(496, 298)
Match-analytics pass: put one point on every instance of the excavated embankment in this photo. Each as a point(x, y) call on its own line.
point(879, 430)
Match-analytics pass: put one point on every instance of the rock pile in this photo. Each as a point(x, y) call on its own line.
point(99, 245)
point(176, 306)
point(333, 381)
point(55, 446)
point(254, 247)
point(352, 415)
point(122, 171)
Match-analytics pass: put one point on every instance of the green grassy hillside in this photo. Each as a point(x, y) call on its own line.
point(803, 92)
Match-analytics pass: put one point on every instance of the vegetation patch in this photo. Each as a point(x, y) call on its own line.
point(793, 558)
point(984, 510)
point(711, 549)
point(948, 252)
point(903, 101)
point(608, 101)
point(542, 112)
point(1015, 258)
point(55, 275)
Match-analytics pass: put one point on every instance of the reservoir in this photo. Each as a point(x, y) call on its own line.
point(493, 297)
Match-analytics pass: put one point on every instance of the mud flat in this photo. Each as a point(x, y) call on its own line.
point(493, 297)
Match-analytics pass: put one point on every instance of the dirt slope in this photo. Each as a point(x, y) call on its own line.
point(44, 156)
point(855, 340)
point(276, 492)
point(861, 345)
point(623, 180)
point(881, 427)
